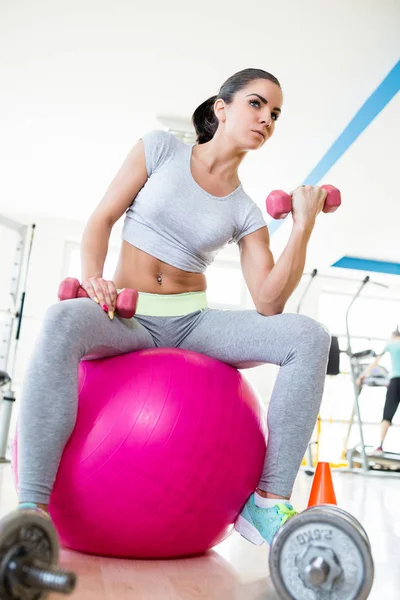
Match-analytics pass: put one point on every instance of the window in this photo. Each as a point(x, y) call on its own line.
point(72, 261)
point(369, 317)
point(225, 285)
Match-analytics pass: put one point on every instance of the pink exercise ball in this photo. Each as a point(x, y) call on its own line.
point(167, 447)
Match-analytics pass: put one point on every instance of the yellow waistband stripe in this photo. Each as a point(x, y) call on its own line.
point(170, 305)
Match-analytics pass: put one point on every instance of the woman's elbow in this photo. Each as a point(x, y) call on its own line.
point(101, 220)
point(270, 310)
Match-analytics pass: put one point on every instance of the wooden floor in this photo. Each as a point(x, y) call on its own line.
point(236, 570)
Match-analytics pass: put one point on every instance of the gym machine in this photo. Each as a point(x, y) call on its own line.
point(385, 462)
point(11, 330)
point(358, 460)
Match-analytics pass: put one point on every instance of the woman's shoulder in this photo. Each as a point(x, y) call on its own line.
point(160, 147)
point(161, 137)
point(393, 346)
point(246, 202)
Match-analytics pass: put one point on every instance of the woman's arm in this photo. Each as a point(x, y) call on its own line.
point(120, 194)
point(368, 370)
point(94, 246)
point(269, 284)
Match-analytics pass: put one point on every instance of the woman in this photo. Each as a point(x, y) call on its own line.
point(182, 205)
point(393, 390)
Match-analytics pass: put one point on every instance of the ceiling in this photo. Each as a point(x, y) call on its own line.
point(83, 80)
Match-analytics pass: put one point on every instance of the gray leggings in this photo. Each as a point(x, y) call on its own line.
point(79, 328)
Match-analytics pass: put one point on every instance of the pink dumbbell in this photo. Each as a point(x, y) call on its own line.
point(279, 203)
point(126, 299)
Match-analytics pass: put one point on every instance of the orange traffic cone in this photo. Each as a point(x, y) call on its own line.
point(322, 491)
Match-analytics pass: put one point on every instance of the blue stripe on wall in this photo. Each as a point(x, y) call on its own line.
point(364, 264)
point(367, 113)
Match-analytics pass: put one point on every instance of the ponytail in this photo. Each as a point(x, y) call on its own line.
point(204, 121)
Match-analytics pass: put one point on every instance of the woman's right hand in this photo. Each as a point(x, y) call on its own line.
point(360, 379)
point(307, 203)
point(101, 291)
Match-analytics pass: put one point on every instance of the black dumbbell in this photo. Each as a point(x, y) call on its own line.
point(29, 553)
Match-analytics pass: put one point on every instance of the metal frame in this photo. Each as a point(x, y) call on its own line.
point(12, 327)
point(15, 281)
point(358, 452)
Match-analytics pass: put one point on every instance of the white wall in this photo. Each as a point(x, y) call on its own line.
point(82, 80)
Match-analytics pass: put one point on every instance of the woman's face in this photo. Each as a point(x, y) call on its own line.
point(250, 119)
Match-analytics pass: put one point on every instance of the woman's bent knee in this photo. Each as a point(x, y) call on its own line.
point(311, 331)
point(71, 315)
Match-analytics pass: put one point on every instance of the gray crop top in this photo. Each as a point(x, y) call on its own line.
point(174, 219)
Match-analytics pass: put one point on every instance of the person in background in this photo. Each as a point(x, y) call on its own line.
point(393, 390)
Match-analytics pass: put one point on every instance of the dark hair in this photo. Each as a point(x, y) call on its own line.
point(204, 120)
point(396, 332)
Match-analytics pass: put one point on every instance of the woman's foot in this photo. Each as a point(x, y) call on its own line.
point(43, 508)
point(259, 525)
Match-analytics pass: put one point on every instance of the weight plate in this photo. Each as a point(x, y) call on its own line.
point(341, 512)
point(339, 543)
point(25, 534)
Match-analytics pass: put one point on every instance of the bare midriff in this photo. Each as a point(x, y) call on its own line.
point(145, 273)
